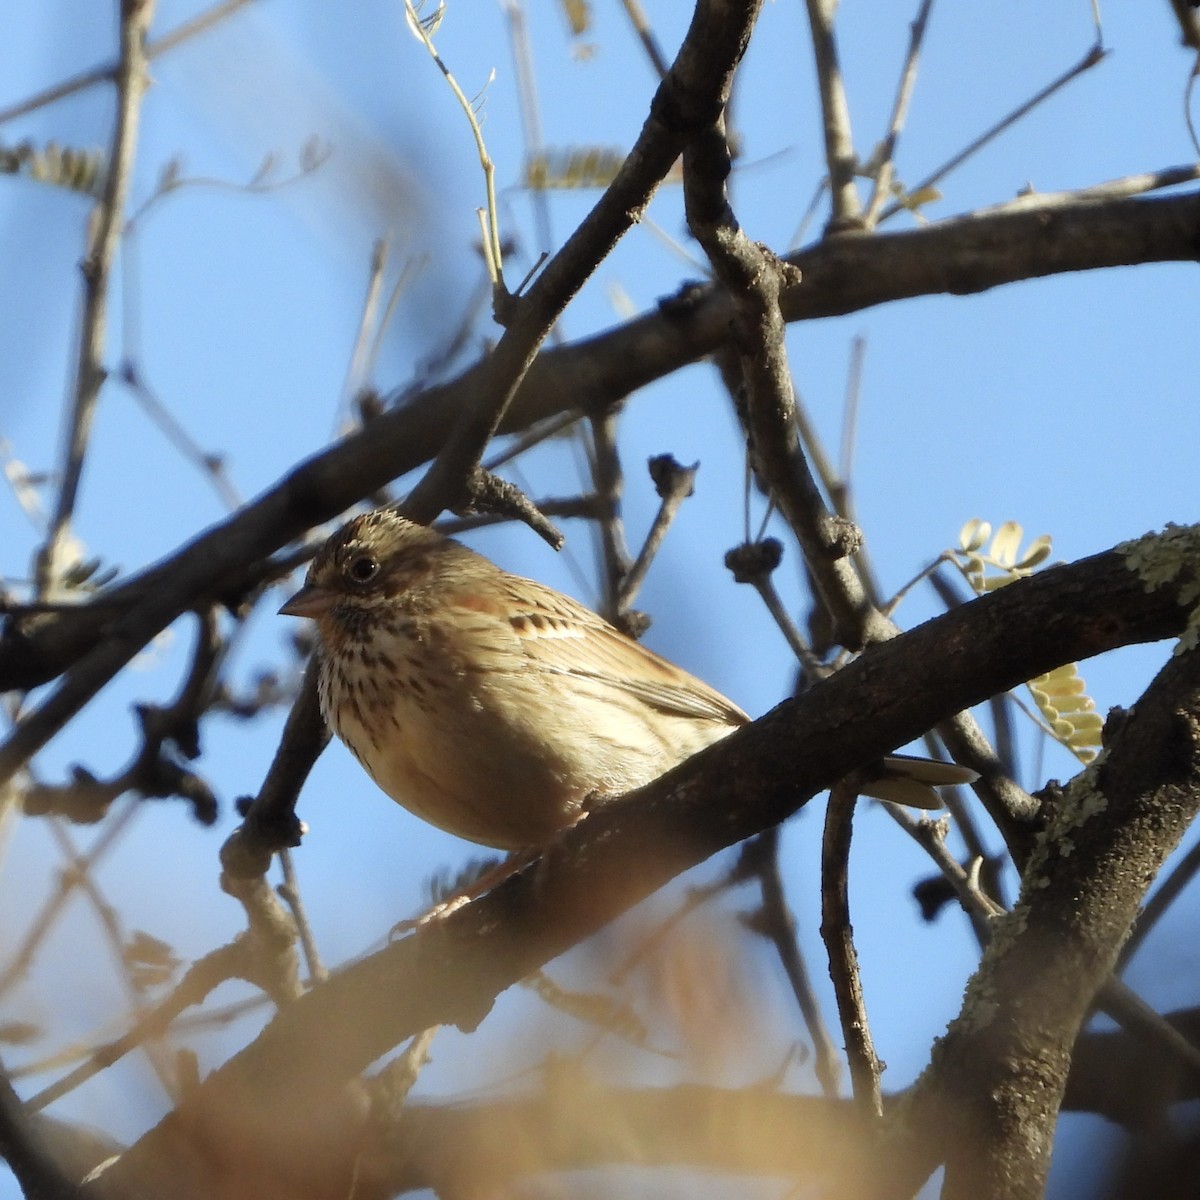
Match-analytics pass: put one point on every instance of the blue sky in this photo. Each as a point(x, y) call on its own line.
point(1065, 404)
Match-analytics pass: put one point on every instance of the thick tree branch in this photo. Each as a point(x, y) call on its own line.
point(1034, 237)
point(996, 1081)
point(23, 1149)
point(261, 1105)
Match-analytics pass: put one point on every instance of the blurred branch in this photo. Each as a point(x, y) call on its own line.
point(775, 921)
point(155, 772)
point(641, 26)
point(366, 338)
point(1124, 1079)
point(578, 1123)
point(25, 1153)
point(199, 24)
point(104, 234)
point(531, 120)
point(54, 906)
point(1189, 23)
point(211, 465)
point(123, 949)
point(202, 977)
point(289, 893)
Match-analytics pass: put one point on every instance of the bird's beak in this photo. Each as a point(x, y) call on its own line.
point(309, 601)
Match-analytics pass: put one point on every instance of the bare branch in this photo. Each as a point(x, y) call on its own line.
point(451, 970)
point(838, 936)
point(840, 159)
point(104, 234)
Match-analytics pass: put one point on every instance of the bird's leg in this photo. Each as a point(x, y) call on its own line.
point(495, 875)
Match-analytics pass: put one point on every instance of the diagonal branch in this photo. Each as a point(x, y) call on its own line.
point(1034, 237)
point(996, 1080)
point(104, 235)
point(689, 98)
point(264, 1102)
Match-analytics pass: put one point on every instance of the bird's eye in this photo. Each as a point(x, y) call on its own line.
point(362, 568)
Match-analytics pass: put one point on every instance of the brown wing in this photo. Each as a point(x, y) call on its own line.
point(564, 637)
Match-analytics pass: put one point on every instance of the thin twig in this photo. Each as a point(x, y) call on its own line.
point(357, 372)
point(608, 483)
point(423, 31)
point(104, 235)
point(841, 492)
point(931, 837)
point(754, 563)
point(289, 893)
point(674, 483)
point(314, 154)
point(55, 904)
point(210, 465)
point(533, 437)
point(531, 121)
point(198, 24)
point(840, 159)
point(80, 871)
point(777, 922)
point(884, 159)
point(1095, 54)
point(641, 26)
point(204, 975)
point(838, 935)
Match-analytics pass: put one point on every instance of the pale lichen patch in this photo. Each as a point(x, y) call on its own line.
point(1171, 557)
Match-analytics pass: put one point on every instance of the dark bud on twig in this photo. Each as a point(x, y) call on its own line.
point(671, 478)
point(752, 561)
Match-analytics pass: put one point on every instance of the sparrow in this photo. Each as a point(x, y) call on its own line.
point(498, 708)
